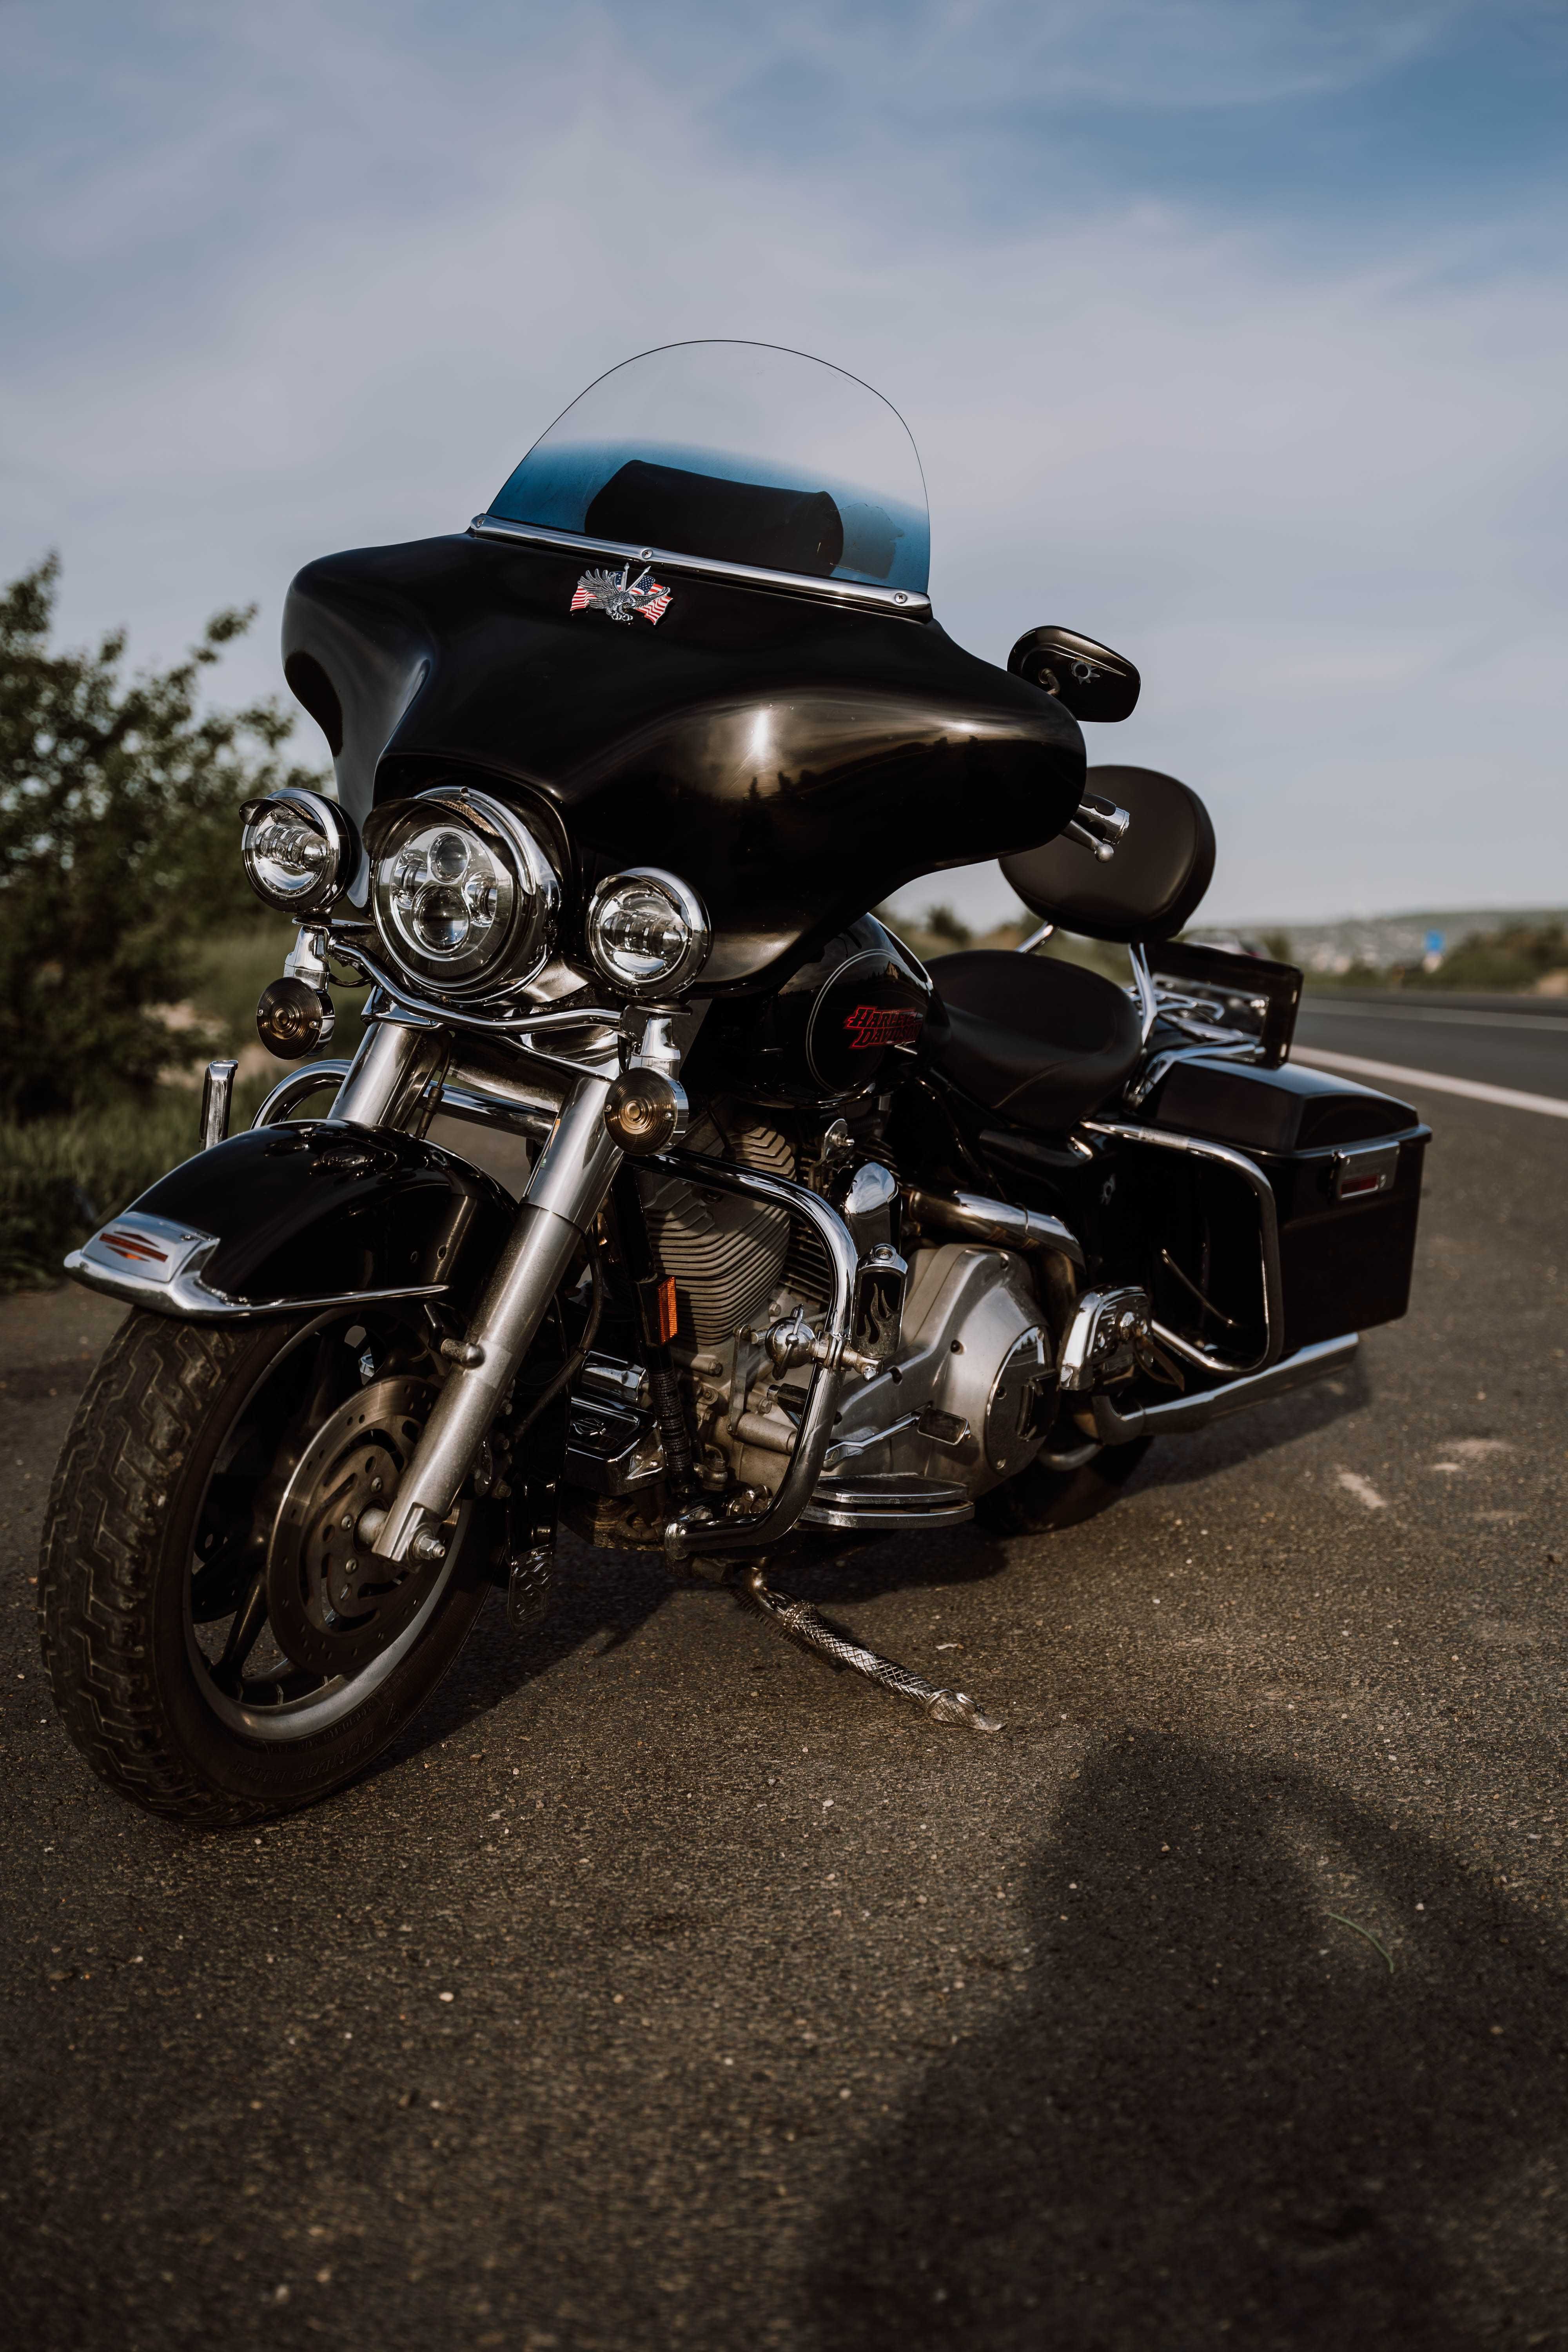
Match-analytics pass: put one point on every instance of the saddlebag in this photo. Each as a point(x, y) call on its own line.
point(1343, 1164)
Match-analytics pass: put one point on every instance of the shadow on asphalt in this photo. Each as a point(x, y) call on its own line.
point(607, 1597)
point(1212, 2114)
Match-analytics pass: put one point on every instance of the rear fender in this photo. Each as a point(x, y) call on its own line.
point(301, 1216)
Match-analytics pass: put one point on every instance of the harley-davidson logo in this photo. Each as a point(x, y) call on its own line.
point(877, 1025)
point(622, 597)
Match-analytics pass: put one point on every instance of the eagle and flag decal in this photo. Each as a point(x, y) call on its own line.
point(622, 597)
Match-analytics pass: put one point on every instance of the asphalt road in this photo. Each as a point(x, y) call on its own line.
point(664, 1989)
point(1500, 1043)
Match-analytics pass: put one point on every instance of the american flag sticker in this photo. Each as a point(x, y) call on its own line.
point(622, 597)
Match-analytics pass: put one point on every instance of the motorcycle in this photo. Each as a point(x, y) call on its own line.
point(815, 1241)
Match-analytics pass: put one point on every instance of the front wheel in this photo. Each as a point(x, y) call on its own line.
point(220, 1643)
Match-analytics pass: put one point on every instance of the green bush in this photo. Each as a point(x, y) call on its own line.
point(118, 853)
point(1515, 956)
point(60, 1178)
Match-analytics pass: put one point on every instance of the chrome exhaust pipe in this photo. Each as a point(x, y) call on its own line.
point(1178, 1414)
point(969, 1217)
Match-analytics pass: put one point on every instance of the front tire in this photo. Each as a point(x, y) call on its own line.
point(181, 1475)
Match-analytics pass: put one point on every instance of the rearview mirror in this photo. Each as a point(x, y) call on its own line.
point(1087, 679)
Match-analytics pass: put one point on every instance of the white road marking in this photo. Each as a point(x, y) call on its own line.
point(1401, 1011)
point(1363, 1489)
point(1395, 1074)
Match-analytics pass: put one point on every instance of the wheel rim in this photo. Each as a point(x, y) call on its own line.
point(291, 1623)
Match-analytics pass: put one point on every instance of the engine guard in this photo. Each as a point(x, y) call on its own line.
point(289, 1218)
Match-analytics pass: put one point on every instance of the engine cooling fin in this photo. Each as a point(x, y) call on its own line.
point(726, 1254)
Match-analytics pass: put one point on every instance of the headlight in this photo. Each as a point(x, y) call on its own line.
point(465, 898)
point(297, 850)
point(647, 932)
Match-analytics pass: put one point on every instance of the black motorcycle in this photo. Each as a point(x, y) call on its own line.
point(812, 1237)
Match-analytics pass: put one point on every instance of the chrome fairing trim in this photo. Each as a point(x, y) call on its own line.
point(903, 603)
point(1182, 1414)
point(1168, 1139)
point(694, 1530)
point(149, 1261)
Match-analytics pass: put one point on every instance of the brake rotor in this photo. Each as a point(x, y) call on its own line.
point(334, 1603)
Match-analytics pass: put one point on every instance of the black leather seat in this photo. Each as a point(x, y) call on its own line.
point(1037, 1040)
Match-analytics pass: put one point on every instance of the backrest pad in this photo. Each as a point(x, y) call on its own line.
point(1150, 889)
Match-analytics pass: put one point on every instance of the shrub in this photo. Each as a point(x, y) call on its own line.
point(119, 840)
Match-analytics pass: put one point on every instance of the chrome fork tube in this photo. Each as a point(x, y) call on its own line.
point(565, 1195)
point(391, 1073)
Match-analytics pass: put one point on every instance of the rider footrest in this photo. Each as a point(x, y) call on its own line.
point(888, 1498)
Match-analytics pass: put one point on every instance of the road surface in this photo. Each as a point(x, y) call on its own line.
point(662, 1988)
point(1520, 1043)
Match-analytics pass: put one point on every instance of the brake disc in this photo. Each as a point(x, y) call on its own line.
point(331, 1602)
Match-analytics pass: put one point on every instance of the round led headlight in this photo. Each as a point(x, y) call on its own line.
point(298, 849)
point(647, 932)
point(465, 896)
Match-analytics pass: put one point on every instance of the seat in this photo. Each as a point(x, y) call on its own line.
point(1037, 1040)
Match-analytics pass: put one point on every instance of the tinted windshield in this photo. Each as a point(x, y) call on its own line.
point(741, 453)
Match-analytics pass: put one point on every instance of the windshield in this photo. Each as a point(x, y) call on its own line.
point(742, 453)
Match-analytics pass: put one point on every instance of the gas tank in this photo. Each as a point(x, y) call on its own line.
point(827, 1035)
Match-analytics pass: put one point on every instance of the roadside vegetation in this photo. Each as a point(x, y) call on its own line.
point(1515, 959)
point(130, 948)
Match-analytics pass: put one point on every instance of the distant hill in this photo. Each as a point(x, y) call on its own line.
point(1384, 940)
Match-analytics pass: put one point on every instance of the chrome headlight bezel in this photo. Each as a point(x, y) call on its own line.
point(521, 928)
point(686, 909)
point(321, 816)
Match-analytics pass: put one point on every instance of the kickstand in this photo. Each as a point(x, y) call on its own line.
point(800, 1621)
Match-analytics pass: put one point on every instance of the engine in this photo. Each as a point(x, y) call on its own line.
point(964, 1401)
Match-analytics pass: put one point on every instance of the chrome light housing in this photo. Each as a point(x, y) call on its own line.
point(648, 932)
point(466, 899)
point(298, 849)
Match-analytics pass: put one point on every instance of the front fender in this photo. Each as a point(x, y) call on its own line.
point(297, 1216)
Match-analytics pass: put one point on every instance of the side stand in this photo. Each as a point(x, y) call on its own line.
point(800, 1621)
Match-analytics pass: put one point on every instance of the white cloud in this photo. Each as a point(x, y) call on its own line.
point(1314, 504)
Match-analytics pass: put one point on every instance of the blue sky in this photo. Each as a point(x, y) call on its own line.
point(1231, 331)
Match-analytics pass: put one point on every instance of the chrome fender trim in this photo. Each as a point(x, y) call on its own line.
point(152, 1262)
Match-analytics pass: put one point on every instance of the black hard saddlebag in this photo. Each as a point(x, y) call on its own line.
point(1343, 1166)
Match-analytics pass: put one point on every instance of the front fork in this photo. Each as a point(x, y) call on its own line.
point(570, 1178)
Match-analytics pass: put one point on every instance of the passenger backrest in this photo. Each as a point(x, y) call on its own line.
point(1150, 889)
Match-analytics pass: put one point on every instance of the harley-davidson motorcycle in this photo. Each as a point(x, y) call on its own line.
point(812, 1238)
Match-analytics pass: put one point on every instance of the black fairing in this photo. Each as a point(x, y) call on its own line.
point(793, 760)
point(312, 1210)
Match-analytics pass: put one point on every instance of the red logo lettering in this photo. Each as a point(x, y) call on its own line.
point(876, 1025)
